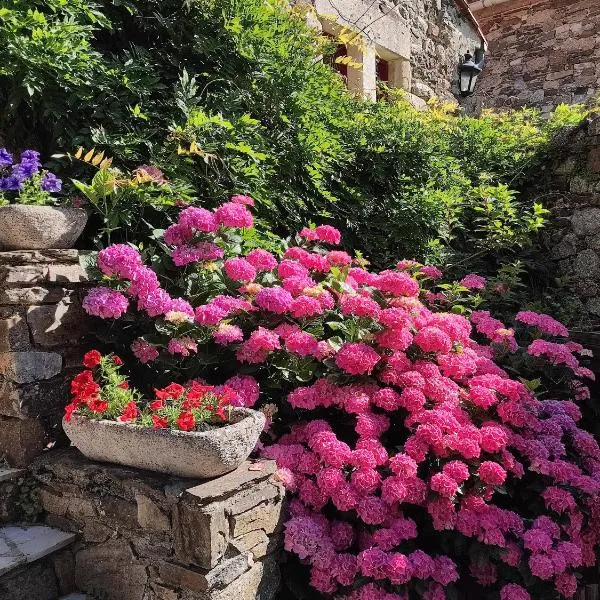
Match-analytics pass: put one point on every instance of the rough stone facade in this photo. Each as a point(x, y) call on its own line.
point(572, 193)
point(422, 43)
point(41, 325)
point(541, 52)
point(149, 537)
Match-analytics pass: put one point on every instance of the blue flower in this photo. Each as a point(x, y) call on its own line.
point(30, 156)
point(6, 158)
point(51, 183)
point(25, 169)
point(11, 184)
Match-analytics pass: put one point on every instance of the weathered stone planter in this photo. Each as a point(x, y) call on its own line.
point(195, 454)
point(31, 227)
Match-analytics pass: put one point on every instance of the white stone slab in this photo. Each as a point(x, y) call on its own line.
point(21, 545)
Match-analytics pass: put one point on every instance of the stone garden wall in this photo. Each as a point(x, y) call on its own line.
point(154, 537)
point(571, 190)
point(41, 327)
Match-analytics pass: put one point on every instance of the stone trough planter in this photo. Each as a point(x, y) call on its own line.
point(195, 454)
point(32, 227)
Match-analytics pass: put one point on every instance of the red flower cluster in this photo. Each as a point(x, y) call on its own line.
point(180, 407)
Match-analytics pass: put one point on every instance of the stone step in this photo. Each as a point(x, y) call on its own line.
point(24, 544)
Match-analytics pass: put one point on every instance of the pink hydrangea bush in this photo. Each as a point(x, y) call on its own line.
point(420, 461)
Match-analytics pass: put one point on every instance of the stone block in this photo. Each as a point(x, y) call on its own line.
point(258, 543)
point(111, 571)
point(593, 162)
point(66, 274)
point(586, 265)
point(261, 582)
point(56, 325)
point(34, 400)
point(201, 534)
point(150, 516)
point(196, 580)
point(29, 257)
point(23, 275)
point(32, 295)
point(21, 440)
point(29, 366)
point(14, 334)
point(246, 475)
point(267, 517)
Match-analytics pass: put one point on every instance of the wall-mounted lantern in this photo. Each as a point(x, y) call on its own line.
point(469, 71)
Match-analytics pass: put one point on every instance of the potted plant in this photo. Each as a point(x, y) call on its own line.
point(30, 216)
point(194, 430)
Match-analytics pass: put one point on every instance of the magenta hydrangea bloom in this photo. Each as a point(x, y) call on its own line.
point(274, 299)
point(239, 269)
point(232, 214)
point(356, 358)
point(105, 303)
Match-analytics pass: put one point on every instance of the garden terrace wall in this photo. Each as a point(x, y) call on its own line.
point(571, 190)
point(42, 327)
point(150, 537)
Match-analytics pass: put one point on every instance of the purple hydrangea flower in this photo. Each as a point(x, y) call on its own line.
point(6, 158)
point(30, 156)
point(51, 183)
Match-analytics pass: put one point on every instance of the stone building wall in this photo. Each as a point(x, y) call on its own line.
point(541, 52)
point(41, 329)
point(145, 536)
point(423, 42)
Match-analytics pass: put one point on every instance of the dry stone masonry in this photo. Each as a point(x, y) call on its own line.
point(542, 52)
point(41, 325)
point(144, 536)
point(572, 192)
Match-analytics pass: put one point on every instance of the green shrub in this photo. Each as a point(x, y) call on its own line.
point(228, 96)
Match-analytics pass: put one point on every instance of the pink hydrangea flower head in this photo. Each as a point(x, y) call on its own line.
point(144, 351)
point(105, 303)
point(119, 260)
point(227, 334)
point(197, 218)
point(431, 272)
point(239, 269)
point(301, 343)
point(338, 258)
point(246, 387)
point(328, 235)
point(433, 339)
point(491, 473)
point(512, 591)
point(274, 299)
point(241, 199)
point(473, 282)
point(397, 284)
point(357, 358)
point(261, 260)
point(232, 214)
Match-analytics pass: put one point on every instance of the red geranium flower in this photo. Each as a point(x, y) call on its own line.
point(92, 359)
point(124, 385)
point(173, 390)
point(186, 421)
point(159, 422)
point(98, 406)
point(69, 410)
point(129, 414)
point(157, 404)
point(117, 360)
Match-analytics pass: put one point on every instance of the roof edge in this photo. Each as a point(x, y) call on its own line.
point(465, 9)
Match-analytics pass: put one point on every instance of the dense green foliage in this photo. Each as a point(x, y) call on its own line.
point(228, 96)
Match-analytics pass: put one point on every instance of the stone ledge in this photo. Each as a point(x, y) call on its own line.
point(29, 257)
